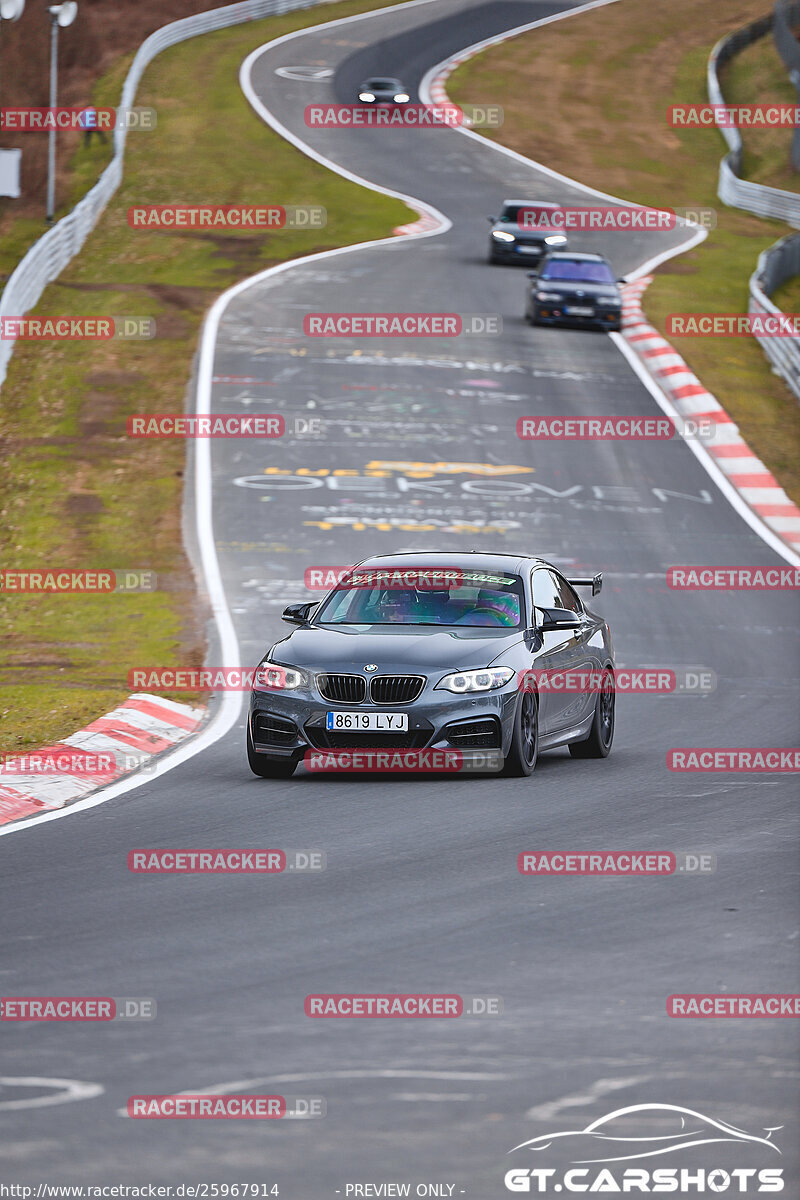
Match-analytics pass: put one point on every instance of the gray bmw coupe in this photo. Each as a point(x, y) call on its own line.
point(437, 650)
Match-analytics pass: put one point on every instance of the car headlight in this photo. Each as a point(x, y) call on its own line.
point(555, 239)
point(502, 236)
point(476, 681)
point(401, 97)
point(548, 296)
point(276, 677)
point(366, 96)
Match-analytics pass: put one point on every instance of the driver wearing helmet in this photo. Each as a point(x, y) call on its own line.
point(493, 608)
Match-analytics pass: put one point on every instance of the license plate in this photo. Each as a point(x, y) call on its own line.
point(367, 722)
point(574, 311)
point(529, 249)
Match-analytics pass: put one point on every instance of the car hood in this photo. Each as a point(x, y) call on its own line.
point(406, 649)
point(571, 286)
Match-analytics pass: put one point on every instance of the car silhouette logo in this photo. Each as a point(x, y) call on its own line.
point(371, 667)
point(614, 1139)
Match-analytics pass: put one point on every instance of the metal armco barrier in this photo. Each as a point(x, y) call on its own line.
point(732, 190)
point(47, 257)
point(785, 20)
point(777, 264)
point(781, 261)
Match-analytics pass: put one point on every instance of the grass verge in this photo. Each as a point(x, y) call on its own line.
point(632, 60)
point(75, 492)
point(758, 76)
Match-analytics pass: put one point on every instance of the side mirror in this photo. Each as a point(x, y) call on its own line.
point(533, 274)
point(491, 220)
point(557, 618)
point(299, 614)
point(622, 281)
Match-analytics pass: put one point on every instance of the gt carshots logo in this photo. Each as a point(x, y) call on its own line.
point(623, 1136)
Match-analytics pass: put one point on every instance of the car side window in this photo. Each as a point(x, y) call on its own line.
point(569, 598)
point(546, 593)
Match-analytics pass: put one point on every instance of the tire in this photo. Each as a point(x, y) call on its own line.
point(268, 768)
point(524, 749)
point(601, 735)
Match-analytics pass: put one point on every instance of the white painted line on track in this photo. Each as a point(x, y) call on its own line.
point(67, 1090)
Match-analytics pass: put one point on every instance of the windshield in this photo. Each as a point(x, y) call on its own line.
point(587, 272)
point(383, 85)
point(529, 216)
point(475, 598)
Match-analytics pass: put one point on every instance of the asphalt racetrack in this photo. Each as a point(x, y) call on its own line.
point(421, 891)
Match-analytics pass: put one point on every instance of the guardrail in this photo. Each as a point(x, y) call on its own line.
point(785, 20)
point(775, 266)
point(48, 256)
point(732, 190)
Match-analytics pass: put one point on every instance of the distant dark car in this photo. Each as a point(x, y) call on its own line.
point(524, 231)
point(422, 650)
point(574, 289)
point(383, 90)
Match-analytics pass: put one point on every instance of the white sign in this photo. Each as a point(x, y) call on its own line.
point(9, 172)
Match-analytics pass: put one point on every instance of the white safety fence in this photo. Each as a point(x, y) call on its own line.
point(775, 266)
point(47, 257)
point(781, 261)
point(732, 190)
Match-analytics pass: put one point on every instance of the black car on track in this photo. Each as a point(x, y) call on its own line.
point(574, 289)
point(525, 230)
point(425, 650)
point(383, 90)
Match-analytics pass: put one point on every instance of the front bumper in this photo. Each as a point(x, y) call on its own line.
point(552, 313)
point(522, 252)
point(287, 725)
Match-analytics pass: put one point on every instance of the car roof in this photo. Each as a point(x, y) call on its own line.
point(535, 203)
point(577, 255)
point(381, 79)
point(479, 560)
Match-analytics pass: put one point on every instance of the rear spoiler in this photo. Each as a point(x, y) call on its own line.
point(595, 583)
